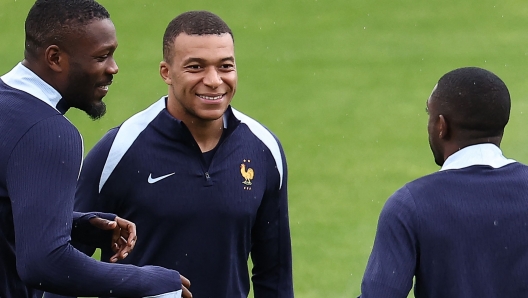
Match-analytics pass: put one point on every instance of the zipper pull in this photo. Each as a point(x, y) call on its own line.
point(208, 180)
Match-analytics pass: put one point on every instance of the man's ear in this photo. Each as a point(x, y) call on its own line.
point(165, 72)
point(55, 58)
point(443, 127)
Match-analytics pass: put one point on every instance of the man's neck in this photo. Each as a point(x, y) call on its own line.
point(40, 71)
point(206, 134)
point(454, 147)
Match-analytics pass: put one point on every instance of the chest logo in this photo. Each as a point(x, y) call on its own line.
point(154, 180)
point(247, 174)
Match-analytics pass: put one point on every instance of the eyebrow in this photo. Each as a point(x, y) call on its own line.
point(201, 60)
point(105, 48)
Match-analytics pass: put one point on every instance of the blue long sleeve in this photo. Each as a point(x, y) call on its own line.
point(271, 244)
point(392, 263)
point(41, 178)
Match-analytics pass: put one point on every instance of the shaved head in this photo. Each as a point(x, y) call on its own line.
point(199, 22)
point(473, 101)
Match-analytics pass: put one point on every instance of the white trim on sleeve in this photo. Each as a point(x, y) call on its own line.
point(176, 294)
point(127, 134)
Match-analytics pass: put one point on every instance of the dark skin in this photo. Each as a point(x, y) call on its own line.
point(446, 139)
point(124, 235)
point(186, 284)
point(81, 70)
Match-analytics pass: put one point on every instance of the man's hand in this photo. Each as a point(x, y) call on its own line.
point(124, 235)
point(186, 284)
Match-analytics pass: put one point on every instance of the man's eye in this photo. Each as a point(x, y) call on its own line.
point(102, 58)
point(193, 66)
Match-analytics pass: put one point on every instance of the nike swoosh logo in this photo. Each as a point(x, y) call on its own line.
point(154, 180)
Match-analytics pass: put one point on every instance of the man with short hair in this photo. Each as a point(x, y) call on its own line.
point(462, 231)
point(205, 184)
point(68, 63)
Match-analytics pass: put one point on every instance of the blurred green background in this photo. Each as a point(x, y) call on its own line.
point(343, 83)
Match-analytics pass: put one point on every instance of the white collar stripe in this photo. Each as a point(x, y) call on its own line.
point(480, 154)
point(22, 78)
point(266, 137)
point(127, 134)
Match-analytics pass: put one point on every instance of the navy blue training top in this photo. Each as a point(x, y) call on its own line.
point(459, 232)
point(40, 160)
point(201, 218)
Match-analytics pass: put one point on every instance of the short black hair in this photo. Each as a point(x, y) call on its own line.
point(197, 22)
point(52, 21)
point(473, 100)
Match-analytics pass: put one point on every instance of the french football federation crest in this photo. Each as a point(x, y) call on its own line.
point(247, 174)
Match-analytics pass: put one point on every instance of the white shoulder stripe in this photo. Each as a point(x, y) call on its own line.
point(266, 137)
point(127, 134)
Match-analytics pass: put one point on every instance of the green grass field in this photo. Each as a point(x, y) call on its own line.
point(343, 83)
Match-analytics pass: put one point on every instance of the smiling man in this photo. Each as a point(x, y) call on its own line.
point(205, 184)
point(68, 62)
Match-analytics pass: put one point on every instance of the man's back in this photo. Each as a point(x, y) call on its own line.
point(461, 232)
point(472, 232)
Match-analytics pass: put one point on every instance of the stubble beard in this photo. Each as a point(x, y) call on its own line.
point(96, 111)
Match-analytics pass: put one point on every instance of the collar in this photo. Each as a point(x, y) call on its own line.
point(480, 154)
point(23, 79)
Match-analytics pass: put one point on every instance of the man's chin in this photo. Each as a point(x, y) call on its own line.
point(212, 115)
point(96, 111)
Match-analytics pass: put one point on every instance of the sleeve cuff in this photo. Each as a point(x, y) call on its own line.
point(176, 294)
point(83, 231)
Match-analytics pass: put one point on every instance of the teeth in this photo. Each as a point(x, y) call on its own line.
point(210, 97)
point(104, 87)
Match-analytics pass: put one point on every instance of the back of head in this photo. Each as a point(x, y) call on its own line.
point(53, 21)
point(192, 23)
point(474, 101)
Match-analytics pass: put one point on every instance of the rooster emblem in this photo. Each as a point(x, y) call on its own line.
point(248, 175)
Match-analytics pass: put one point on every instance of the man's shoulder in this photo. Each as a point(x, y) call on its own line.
point(424, 186)
point(17, 101)
point(126, 133)
point(260, 132)
point(255, 126)
point(443, 185)
point(262, 135)
point(121, 137)
point(21, 114)
point(412, 191)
